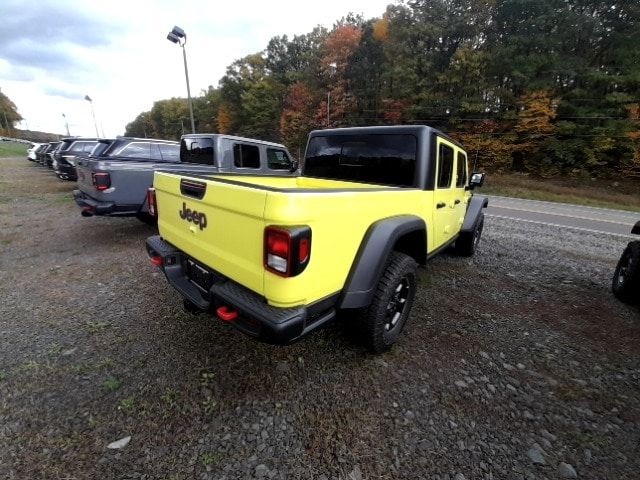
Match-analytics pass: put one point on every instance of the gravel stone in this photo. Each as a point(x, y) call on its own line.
point(537, 455)
point(261, 471)
point(566, 471)
point(204, 401)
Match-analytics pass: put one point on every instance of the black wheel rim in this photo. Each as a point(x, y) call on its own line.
point(397, 304)
point(622, 271)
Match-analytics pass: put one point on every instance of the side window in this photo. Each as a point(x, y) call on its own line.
point(169, 152)
point(197, 150)
point(246, 156)
point(445, 166)
point(461, 172)
point(140, 150)
point(278, 159)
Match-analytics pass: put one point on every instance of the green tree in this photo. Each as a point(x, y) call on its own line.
point(9, 115)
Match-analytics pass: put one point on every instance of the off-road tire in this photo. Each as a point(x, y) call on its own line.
point(626, 278)
point(397, 286)
point(467, 242)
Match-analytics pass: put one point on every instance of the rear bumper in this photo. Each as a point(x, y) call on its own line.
point(90, 206)
point(255, 316)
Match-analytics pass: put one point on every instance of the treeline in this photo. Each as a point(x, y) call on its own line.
point(541, 86)
point(9, 115)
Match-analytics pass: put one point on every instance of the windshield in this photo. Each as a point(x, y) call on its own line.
point(383, 159)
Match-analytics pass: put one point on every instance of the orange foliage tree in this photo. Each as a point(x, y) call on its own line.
point(296, 119)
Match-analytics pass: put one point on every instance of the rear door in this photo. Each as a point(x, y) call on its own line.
point(445, 213)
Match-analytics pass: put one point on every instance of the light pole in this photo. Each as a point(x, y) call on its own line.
point(66, 124)
point(332, 68)
point(95, 124)
point(178, 37)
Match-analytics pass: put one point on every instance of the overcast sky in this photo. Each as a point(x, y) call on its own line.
point(53, 53)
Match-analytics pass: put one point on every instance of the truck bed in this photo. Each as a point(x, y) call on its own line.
point(238, 208)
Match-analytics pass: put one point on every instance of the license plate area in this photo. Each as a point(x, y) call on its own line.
point(199, 275)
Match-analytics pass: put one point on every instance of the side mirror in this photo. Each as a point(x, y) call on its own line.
point(477, 179)
point(294, 166)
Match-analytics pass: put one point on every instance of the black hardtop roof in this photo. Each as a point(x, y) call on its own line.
point(385, 129)
point(233, 137)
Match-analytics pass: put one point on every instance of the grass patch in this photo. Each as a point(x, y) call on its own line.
point(620, 195)
point(65, 197)
point(96, 327)
point(111, 384)
point(210, 458)
point(12, 149)
point(3, 376)
point(127, 405)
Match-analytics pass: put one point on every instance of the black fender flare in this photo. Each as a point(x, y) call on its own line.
point(474, 212)
point(370, 261)
point(636, 229)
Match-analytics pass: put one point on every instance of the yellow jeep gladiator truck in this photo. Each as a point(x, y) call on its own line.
point(278, 257)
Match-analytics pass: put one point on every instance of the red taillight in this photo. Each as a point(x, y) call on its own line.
point(151, 202)
point(101, 180)
point(287, 250)
point(156, 260)
point(303, 251)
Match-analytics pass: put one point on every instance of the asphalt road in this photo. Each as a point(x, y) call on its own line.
point(564, 215)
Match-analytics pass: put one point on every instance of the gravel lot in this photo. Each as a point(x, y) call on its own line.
point(516, 364)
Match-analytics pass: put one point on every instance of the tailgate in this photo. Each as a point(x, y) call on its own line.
point(85, 182)
point(218, 224)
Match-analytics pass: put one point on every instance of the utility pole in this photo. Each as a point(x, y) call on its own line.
point(328, 108)
point(66, 124)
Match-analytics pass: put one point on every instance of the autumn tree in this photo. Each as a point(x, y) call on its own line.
point(296, 120)
point(9, 115)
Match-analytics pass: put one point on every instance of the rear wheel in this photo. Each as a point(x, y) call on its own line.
point(381, 323)
point(467, 242)
point(626, 278)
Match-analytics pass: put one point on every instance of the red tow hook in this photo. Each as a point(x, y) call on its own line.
point(156, 260)
point(226, 315)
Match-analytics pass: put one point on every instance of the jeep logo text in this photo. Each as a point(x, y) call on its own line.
point(189, 215)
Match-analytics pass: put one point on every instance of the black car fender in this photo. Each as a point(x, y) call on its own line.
point(406, 233)
point(474, 212)
point(636, 229)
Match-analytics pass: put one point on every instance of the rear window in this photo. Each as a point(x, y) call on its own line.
point(66, 144)
point(80, 147)
point(382, 159)
point(197, 150)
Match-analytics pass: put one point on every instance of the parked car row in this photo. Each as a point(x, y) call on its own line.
point(114, 174)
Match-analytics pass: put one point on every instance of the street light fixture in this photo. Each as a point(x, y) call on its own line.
point(178, 37)
point(66, 124)
point(95, 124)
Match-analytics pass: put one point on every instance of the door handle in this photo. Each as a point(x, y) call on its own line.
point(457, 201)
point(441, 205)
